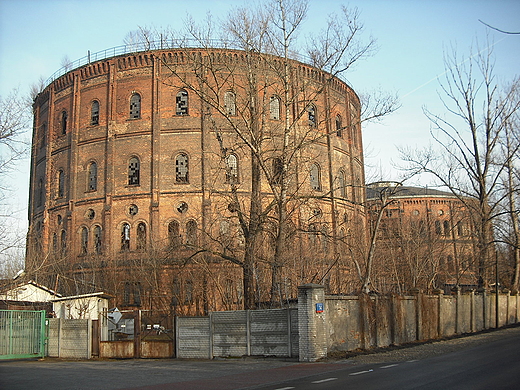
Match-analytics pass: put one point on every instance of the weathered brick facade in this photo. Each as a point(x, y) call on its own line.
point(126, 160)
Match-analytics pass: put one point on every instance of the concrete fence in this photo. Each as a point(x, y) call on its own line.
point(238, 333)
point(320, 326)
point(70, 339)
point(346, 323)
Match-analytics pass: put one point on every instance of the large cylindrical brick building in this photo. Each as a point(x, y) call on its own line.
point(148, 155)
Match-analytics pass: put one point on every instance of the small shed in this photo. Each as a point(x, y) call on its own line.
point(85, 306)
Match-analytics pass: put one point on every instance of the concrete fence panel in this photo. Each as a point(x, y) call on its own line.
point(193, 338)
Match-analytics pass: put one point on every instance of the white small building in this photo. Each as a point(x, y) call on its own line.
point(86, 306)
point(29, 292)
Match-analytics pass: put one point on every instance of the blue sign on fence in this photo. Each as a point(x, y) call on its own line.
point(319, 308)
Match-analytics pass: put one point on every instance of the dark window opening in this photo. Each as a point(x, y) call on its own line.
point(311, 114)
point(98, 240)
point(181, 103)
point(94, 113)
point(125, 237)
point(339, 130)
point(315, 177)
point(191, 233)
point(64, 118)
point(92, 177)
point(133, 171)
point(84, 241)
point(181, 168)
point(141, 236)
point(174, 235)
point(277, 170)
point(231, 169)
point(135, 106)
point(61, 184)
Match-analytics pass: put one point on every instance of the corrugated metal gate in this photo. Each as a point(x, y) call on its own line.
point(22, 334)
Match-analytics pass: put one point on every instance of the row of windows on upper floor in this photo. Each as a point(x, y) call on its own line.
point(182, 176)
point(182, 109)
point(93, 242)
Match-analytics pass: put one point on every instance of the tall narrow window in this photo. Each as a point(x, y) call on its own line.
point(63, 243)
point(39, 195)
point(339, 129)
point(231, 169)
point(181, 103)
point(274, 108)
point(342, 184)
point(315, 177)
point(92, 177)
point(174, 233)
point(191, 233)
point(64, 119)
point(43, 136)
point(277, 170)
point(125, 237)
point(61, 184)
point(438, 227)
point(141, 236)
point(181, 168)
point(55, 243)
point(447, 229)
point(84, 241)
point(94, 113)
point(311, 115)
point(230, 103)
point(135, 106)
point(98, 240)
point(134, 168)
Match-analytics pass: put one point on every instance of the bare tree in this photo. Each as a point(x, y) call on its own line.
point(14, 121)
point(470, 161)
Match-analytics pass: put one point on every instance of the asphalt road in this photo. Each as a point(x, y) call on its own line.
point(484, 361)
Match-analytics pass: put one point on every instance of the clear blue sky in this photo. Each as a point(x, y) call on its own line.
point(412, 35)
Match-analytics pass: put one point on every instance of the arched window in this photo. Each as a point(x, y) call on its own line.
point(174, 233)
point(339, 130)
point(54, 243)
point(64, 118)
point(94, 113)
point(61, 184)
point(438, 227)
point(98, 240)
point(181, 103)
point(135, 106)
point(125, 237)
point(274, 108)
point(311, 115)
point(43, 136)
point(315, 177)
point(181, 168)
point(141, 236)
point(134, 168)
point(63, 243)
point(84, 241)
point(230, 103)
point(277, 170)
point(191, 233)
point(92, 177)
point(231, 169)
point(342, 183)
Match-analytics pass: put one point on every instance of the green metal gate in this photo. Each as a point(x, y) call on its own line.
point(22, 334)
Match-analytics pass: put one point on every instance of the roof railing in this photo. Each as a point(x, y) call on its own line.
point(162, 44)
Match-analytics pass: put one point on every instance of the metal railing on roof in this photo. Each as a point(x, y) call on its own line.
point(162, 44)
